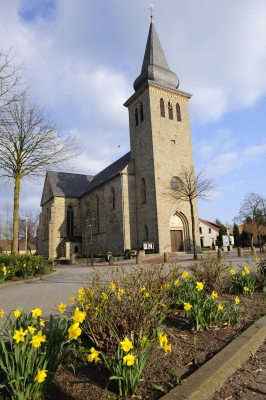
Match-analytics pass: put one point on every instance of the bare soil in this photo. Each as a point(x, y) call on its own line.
point(190, 350)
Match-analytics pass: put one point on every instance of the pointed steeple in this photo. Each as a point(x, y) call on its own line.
point(155, 67)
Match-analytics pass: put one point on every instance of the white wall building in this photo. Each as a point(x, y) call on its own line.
point(208, 233)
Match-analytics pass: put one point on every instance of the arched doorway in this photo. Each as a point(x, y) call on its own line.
point(179, 233)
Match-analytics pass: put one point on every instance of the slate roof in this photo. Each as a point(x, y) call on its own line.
point(155, 66)
point(67, 184)
point(108, 173)
point(211, 224)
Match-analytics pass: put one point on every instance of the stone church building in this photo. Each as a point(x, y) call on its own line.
point(125, 205)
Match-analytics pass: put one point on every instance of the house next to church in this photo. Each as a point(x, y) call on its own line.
point(125, 204)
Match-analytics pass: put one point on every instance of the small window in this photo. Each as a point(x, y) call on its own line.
point(76, 249)
point(136, 116)
point(178, 112)
point(170, 110)
point(141, 112)
point(172, 141)
point(145, 233)
point(162, 109)
point(210, 231)
point(113, 198)
point(143, 191)
point(70, 221)
point(200, 230)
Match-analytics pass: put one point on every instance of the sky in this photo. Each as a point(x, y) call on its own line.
point(81, 58)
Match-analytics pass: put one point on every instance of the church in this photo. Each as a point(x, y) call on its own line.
point(124, 206)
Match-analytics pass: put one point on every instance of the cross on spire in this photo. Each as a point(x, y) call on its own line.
point(151, 8)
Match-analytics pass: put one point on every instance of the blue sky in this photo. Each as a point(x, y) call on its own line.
point(82, 58)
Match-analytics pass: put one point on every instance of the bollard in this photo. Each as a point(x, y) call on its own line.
point(239, 252)
point(263, 248)
point(219, 253)
point(111, 260)
point(140, 256)
point(253, 250)
point(166, 257)
point(72, 258)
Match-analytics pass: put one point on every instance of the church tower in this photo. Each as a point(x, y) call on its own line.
point(161, 145)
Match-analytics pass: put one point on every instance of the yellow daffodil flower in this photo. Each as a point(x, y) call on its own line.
point(37, 312)
point(112, 286)
point(257, 259)
point(72, 299)
point(41, 322)
point(62, 307)
point(38, 339)
point(162, 337)
point(185, 275)
point(74, 331)
point(246, 289)
point(2, 312)
point(128, 360)
point(105, 296)
point(220, 307)
point(81, 295)
point(31, 329)
point(4, 270)
point(167, 348)
point(121, 291)
point(146, 295)
point(17, 313)
point(143, 342)
point(126, 345)
point(237, 300)
point(199, 286)
point(41, 375)
point(176, 282)
point(214, 295)
point(142, 289)
point(247, 271)
point(243, 273)
point(94, 355)
point(19, 335)
point(79, 316)
point(187, 306)
point(232, 271)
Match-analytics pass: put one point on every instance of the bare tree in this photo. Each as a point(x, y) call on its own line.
point(10, 77)
point(187, 186)
point(32, 224)
point(30, 143)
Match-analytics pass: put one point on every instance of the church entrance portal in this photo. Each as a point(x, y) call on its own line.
point(176, 241)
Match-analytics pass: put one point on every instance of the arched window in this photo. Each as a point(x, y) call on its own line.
point(141, 112)
point(170, 110)
point(178, 112)
point(113, 198)
point(76, 249)
point(70, 221)
point(136, 116)
point(145, 233)
point(162, 109)
point(143, 191)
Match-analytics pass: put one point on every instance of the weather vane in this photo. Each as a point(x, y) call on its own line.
point(151, 8)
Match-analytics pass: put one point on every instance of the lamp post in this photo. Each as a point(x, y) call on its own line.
point(25, 218)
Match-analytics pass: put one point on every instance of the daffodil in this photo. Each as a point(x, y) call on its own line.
point(232, 271)
point(105, 296)
point(72, 299)
point(79, 316)
point(2, 312)
point(38, 339)
point(121, 291)
point(19, 335)
point(62, 307)
point(146, 295)
point(81, 295)
point(257, 259)
point(41, 322)
point(243, 273)
point(74, 331)
point(128, 360)
point(31, 329)
point(37, 312)
point(220, 307)
point(199, 286)
point(187, 306)
point(17, 313)
point(167, 348)
point(237, 300)
point(94, 355)
point(126, 345)
point(41, 375)
point(142, 289)
point(246, 289)
point(162, 337)
point(185, 275)
point(4, 270)
point(214, 295)
point(176, 282)
point(247, 271)
point(112, 286)
point(143, 341)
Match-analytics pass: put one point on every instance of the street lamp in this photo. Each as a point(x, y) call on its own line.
point(90, 225)
point(25, 218)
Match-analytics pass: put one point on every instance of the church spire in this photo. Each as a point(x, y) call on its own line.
point(155, 67)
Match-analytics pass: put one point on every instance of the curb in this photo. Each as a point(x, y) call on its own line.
point(210, 377)
point(24, 281)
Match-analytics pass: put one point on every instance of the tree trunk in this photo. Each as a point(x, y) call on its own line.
point(193, 229)
point(16, 215)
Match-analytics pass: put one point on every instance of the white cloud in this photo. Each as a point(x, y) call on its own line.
point(258, 150)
